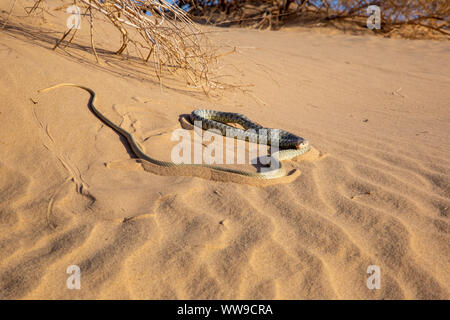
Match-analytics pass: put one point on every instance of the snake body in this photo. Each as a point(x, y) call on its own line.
point(290, 145)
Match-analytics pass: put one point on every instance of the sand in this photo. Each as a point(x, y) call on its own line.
point(374, 190)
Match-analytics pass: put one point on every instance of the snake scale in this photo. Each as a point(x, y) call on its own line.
point(289, 144)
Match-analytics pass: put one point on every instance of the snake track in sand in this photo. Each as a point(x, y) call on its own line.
point(290, 145)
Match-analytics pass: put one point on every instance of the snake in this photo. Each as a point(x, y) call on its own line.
point(289, 145)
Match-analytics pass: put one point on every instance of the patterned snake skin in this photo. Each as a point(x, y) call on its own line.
point(289, 144)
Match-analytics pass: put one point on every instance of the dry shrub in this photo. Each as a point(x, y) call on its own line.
point(432, 15)
point(159, 33)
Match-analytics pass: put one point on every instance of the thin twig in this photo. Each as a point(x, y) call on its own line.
point(63, 37)
point(9, 14)
point(91, 30)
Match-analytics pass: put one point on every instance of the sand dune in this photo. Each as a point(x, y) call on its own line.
point(374, 191)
